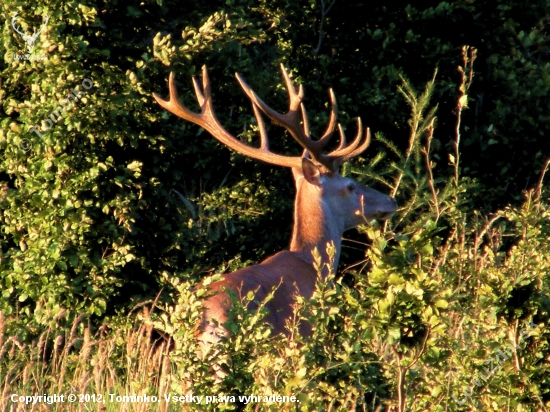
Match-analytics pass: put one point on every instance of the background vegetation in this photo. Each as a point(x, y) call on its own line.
point(120, 204)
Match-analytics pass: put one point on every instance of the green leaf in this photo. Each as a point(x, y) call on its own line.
point(395, 279)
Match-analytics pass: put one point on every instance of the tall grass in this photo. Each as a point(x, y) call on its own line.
point(117, 360)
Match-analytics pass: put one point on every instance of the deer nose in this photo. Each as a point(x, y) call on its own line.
point(386, 211)
point(381, 215)
point(389, 204)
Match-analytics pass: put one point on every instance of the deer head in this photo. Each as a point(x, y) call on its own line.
point(327, 204)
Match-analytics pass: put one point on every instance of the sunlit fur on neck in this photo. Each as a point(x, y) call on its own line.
point(314, 225)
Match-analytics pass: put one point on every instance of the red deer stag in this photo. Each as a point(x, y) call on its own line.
point(326, 204)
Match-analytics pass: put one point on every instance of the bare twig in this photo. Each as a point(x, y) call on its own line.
point(429, 165)
point(480, 235)
point(465, 83)
point(538, 190)
point(418, 106)
point(187, 203)
point(324, 13)
point(422, 349)
point(401, 399)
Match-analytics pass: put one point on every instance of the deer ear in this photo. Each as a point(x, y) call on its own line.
point(311, 172)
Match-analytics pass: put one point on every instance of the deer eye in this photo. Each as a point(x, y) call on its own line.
point(351, 187)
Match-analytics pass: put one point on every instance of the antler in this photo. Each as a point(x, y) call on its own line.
point(37, 33)
point(290, 121)
point(13, 25)
point(207, 120)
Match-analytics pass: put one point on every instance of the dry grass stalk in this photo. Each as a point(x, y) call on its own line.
point(60, 365)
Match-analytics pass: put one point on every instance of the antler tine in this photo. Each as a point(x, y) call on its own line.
point(206, 87)
point(37, 33)
point(198, 91)
point(173, 105)
point(345, 155)
point(14, 17)
point(294, 103)
point(291, 119)
point(332, 122)
point(305, 120)
point(264, 143)
point(343, 151)
point(207, 120)
point(342, 144)
point(322, 142)
point(361, 148)
point(315, 147)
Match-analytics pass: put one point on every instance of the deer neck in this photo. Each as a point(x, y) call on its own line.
point(315, 226)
